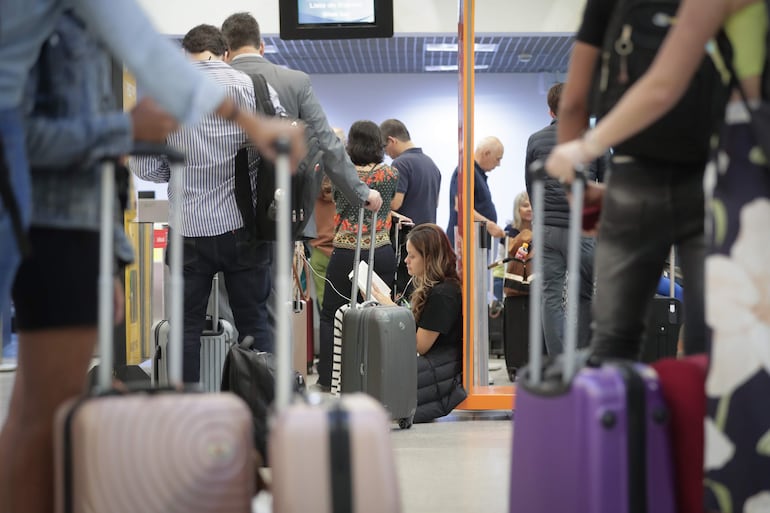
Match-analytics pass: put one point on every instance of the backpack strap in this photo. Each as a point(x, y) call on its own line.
point(11, 205)
point(243, 194)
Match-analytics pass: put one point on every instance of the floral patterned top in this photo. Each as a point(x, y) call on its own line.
point(382, 178)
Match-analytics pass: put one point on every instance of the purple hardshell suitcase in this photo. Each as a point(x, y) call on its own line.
point(379, 347)
point(590, 437)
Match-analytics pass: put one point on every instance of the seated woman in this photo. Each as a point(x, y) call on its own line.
point(437, 307)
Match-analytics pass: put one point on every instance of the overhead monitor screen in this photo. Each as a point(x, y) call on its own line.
point(335, 11)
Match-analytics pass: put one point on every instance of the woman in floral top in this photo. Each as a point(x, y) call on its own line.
point(366, 150)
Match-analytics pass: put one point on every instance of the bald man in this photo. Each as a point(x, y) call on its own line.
point(488, 155)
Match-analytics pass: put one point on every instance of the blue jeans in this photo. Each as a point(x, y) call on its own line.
point(246, 269)
point(12, 136)
point(648, 207)
point(555, 242)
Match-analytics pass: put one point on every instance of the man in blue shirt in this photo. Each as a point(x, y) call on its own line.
point(488, 154)
point(419, 183)
point(419, 180)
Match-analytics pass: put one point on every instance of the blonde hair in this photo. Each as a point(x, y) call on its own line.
point(517, 202)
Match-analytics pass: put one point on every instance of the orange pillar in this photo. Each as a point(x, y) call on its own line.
point(481, 397)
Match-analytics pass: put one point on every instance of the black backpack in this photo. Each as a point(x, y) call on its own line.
point(305, 183)
point(635, 31)
point(250, 375)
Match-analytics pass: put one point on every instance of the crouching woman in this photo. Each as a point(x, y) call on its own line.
point(437, 307)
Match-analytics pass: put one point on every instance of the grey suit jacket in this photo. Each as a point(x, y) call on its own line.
point(296, 94)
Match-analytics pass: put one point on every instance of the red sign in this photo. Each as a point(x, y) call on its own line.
point(160, 238)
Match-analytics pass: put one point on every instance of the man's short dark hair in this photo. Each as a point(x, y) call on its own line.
point(205, 38)
point(365, 143)
point(554, 93)
point(241, 29)
point(394, 128)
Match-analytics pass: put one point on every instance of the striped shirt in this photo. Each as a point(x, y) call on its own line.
point(210, 146)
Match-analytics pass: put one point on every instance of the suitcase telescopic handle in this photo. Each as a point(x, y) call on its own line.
point(107, 256)
point(577, 189)
point(357, 257)
point(283, 276)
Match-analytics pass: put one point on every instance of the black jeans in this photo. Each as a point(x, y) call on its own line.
point(246, 269)
point(648, 207)
point(340, 265)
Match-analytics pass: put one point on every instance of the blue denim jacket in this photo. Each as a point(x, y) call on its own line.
point(72, 124)
point(160, 68)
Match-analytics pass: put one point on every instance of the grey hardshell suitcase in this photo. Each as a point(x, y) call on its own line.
point(214, 346)
point(379, 347)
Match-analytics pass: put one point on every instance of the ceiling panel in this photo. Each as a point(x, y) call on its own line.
point(406, 54)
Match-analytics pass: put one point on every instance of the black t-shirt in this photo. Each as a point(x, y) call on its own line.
point(595, 19)
point(443, 313)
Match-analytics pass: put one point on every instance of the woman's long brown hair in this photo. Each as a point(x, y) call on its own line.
point(439, 260)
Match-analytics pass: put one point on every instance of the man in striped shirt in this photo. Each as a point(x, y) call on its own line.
point(211, 225)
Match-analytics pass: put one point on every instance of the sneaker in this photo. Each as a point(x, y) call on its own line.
point(318, 387)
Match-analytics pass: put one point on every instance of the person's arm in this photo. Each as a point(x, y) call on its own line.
point(397, 201)
point(493, 228)
point(160, 68)
point(573, 104)
point(62, 142)
point(56, 143)
point(652, 95)
point(337, 164)
point(425, 340)
point(152, 169)
point(163, 72)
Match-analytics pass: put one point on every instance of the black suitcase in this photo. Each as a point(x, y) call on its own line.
point(495, 317)
point(664, 318)
point(379, 347)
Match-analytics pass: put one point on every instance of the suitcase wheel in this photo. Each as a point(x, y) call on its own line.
point(405, 423)
point(512, 373)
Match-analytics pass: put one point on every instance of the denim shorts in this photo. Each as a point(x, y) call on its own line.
point(12, 135)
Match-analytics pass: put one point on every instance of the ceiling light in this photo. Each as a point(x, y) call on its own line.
point(452, 47)
point(271, 49)
point(451, 67)
point(525, 57)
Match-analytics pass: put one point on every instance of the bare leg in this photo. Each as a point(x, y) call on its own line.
point(52, 369)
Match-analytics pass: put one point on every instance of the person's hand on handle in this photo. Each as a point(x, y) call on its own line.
point(374, 201)
point(381, 298)
point(151, 123)
point(567, 157)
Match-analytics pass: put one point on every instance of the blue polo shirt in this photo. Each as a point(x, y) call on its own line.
point(419, 179)
point(482, 199)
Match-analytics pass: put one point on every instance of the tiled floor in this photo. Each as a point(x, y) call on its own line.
point(459, 464)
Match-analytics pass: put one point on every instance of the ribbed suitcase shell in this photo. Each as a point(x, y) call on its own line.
point(155, 453)
point(379, 358)
point(301, 467)
point(568, 456)
point(214, 348)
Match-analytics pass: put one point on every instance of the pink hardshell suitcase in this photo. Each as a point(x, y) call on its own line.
point(330, 457)
point(155, 451)
point(589, 437)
